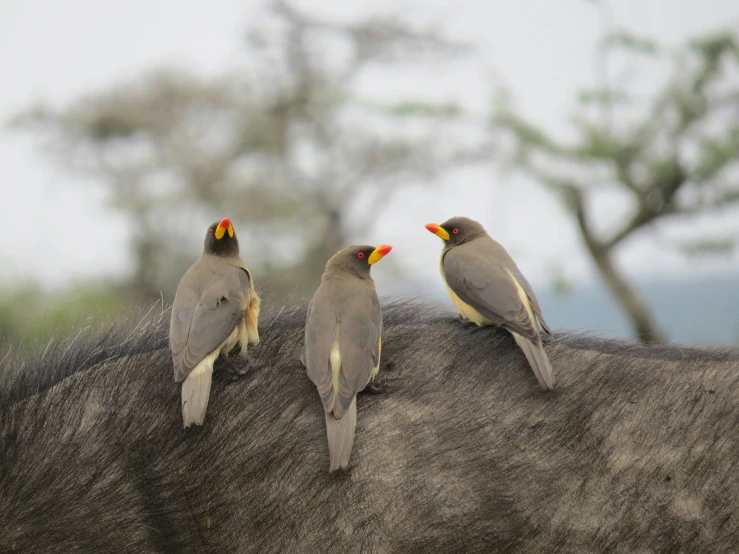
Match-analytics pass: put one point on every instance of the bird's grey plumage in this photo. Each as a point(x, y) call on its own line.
point(477, 273)
point(340, 434)
point(534, 301)
point(538, 360)
point(484, 276)
point(208, 305)
point(207, 316)
point(344, 317)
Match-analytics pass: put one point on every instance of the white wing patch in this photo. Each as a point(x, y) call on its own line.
point(525, 299)
point(335, 359)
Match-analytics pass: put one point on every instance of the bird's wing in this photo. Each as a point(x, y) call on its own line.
point(473, 273)
point(342, 344)
point(359, 343)
point(201, 322)
point(320, 335)
point(533, 300)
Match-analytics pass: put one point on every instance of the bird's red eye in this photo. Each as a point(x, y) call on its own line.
point(360, 255)
point(210, 231)
point(455, 231)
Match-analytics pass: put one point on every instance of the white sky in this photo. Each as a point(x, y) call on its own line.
point(543, 50)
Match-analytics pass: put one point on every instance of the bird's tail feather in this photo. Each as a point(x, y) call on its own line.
point(195, 394)
point(538, 361)
point(341, 436)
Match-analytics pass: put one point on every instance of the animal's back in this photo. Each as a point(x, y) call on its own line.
point(635, 451)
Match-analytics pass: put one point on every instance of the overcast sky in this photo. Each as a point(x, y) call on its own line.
point(52, 225)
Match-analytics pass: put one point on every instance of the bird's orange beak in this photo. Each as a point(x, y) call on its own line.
point(437, 230)
point(378, 253)
point(223, 226)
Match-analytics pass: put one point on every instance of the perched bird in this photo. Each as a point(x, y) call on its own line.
point(343, 342)
point(215, 309)
point(487, 287)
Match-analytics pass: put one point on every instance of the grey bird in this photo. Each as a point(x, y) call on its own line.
point(343, 341)
point(487, 288)
point(215, 309)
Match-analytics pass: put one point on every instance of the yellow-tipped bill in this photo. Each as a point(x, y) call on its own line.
point(438, 230)
point(378, 253)
point(223, 226)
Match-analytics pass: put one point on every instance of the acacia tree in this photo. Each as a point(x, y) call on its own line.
point(286, 146)
point(674, 155)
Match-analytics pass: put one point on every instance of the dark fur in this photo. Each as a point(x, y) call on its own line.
point(635, 451)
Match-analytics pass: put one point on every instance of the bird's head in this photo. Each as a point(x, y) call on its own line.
point(358, 258)
point(456, 230)
point(221, 240)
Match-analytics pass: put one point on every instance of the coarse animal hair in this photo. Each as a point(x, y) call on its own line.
point(461, 451)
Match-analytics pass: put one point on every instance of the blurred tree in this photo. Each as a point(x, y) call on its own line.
point(675, 154)
point(285, 146)
point(28, 316)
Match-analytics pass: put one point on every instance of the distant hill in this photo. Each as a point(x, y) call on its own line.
point(691, 310)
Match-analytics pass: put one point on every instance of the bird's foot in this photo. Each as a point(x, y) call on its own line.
point(374, 388)
point(235, 371)
point(466, 322)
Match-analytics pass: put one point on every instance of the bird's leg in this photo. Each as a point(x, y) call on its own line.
point(374, 388)
point(236, 372)
point(466, 322)
point(379, 387)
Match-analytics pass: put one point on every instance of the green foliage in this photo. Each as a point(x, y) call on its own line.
point(633, 43)
point(527, 133)
point(643, 153)
point(716, 154)
point(600, 96)
point(713, 247)
point(416, 108)
point(664, 169)
point(598, 143)
point(712, 46)
point(29, 317)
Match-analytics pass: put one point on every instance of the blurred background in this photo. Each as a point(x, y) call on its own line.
point(597, 141)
